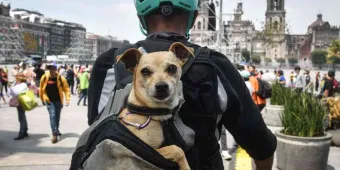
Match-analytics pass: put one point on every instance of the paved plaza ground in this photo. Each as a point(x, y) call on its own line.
point(37, 152)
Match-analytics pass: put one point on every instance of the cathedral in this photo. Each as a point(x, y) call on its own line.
point(239, 34)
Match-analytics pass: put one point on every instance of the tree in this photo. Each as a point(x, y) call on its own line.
point(246, 55)
point(319, 57)
point(256, 59)
point(334, 52)
point(293, 61)
point(270, 32)
point(267, 60)
point(281, 61)
point(334, 60)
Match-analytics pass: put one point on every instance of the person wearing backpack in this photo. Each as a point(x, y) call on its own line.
point(215, 93)
point(53, 88)
point(329, 88)
point(258, 99)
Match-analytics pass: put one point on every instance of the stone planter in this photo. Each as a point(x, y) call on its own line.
point(335, 136)
point(271, 114)
point(298, 153)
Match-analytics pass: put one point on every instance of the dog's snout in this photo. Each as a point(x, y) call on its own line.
point(162, 86)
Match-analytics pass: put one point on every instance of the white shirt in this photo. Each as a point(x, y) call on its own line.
point(18, 88)
point(62, 72)
point(269, 77)
point(299, 81)
point(250, 87)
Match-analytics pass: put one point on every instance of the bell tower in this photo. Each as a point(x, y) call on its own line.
point(276, 15)
point(275, 24)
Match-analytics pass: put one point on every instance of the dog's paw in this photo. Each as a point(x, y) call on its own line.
point(175, 154)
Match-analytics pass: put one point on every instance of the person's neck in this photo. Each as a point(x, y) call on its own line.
point(168, 28)
point(53, 75)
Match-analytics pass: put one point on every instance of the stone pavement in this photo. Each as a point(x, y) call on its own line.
point(37, 153)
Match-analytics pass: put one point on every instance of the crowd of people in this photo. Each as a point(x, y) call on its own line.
point(53, 84)
point(322, 87)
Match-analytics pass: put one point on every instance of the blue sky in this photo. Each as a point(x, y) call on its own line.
point(118, 17)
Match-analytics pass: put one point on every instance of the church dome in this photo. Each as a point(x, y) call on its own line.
point(318, 23)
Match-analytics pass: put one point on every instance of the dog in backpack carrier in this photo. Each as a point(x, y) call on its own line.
point(156, 86)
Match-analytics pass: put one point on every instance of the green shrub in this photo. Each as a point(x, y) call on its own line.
point(303, 115)
point(278, 94)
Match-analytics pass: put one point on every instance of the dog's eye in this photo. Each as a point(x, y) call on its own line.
point(172, 69)
point(145, 72)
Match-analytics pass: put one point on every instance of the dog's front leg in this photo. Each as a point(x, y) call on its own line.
point(175, 154)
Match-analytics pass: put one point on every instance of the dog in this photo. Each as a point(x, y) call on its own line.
point(156, 84)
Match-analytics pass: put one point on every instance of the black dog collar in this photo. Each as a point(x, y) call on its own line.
point(147, 111)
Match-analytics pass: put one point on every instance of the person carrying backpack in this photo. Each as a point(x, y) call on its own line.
point(330, 85)
point(215, 93)
point(258, 94)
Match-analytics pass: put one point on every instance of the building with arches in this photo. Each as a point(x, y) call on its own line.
point(239, 34)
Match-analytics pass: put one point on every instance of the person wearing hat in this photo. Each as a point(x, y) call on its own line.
point(245, 74)
point(20, 86)
point(84, 78)
point(53, 88)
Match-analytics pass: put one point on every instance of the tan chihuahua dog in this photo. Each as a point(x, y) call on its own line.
point(156, 84)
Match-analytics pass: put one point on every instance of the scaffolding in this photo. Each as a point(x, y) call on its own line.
point(79, 49)
point(11, 43)
point(215, 40)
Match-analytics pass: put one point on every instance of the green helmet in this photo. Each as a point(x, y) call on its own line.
point(145, 7)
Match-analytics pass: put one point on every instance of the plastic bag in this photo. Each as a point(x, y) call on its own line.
point(27, 100)
point(13, 102)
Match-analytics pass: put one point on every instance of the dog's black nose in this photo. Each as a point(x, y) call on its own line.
point(162, 87)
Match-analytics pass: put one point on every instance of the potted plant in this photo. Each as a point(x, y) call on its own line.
point(303, 142)
point(275, 105)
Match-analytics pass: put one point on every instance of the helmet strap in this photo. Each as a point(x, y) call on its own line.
point(143, 23)
point(190, 21)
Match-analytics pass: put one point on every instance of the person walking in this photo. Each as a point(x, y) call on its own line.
point(84, 78)
point(4, 81)
point(245, 74)
point(298, 82)
point(317, 81)
point(53, 88)
point(328, 90)
point(30, 75)
point(2, 96)
point(20, 86)
point(39, 73)
point(6, 69)
point(15, 71)
point(70, 78)
point(259, 101)
point(282, 79)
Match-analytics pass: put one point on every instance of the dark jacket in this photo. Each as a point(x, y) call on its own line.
point(241, 117)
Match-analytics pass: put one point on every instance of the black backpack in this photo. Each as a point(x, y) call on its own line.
point(265, 90)
point(201, 102)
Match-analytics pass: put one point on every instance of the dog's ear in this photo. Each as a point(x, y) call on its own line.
point(181, 51)
point(130, 58)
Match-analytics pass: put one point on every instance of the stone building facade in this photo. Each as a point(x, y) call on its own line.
point(241, 35)
point(323, 33)
point(204, 29)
